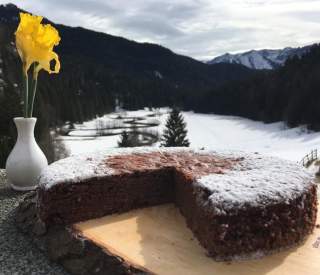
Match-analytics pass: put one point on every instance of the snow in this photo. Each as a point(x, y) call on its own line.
point(216, 132)
point(261, 59)
point(313, 168)
point(236, 133)
point(254, 60)
point(79, 146)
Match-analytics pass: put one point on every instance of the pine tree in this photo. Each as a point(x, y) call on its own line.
point(124, 140)
point(175, 133)
point(130, 139)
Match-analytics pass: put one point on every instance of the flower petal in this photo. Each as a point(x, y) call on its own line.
point(45, 64)
point(35, 43)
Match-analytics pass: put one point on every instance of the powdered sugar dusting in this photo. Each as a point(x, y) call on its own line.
point(72, 170)
point(85, 166)
point(256, 181)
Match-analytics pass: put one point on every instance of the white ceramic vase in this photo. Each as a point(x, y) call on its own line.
point(26, 160)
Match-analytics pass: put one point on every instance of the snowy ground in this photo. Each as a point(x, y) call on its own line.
point(219, 132)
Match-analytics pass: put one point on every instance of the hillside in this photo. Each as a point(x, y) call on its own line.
point(138, 74)
point(98, 69)
point(290, 93)
point(261, 59)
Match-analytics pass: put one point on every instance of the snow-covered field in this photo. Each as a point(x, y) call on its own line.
point(219, 132)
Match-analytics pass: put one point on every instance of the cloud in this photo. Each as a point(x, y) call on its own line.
point(198, 28)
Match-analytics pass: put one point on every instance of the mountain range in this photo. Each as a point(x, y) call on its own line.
point(104, 67)
point(99, 70)
point(261, 59)
point(289, 93)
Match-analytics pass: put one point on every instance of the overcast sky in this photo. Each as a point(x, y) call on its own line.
point(198, 28)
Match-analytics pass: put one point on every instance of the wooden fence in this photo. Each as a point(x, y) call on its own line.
point(309, 158)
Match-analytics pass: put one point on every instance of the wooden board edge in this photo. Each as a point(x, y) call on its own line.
point(111, 252)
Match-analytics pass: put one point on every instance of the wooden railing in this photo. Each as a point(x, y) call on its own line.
point(309, 158)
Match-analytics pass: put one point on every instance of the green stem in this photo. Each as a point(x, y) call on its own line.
point(26, 93)
point(33, 95)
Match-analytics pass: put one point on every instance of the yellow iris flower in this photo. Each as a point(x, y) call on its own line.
point(35, 42)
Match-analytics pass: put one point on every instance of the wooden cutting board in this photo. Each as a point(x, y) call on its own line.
point(158, 240)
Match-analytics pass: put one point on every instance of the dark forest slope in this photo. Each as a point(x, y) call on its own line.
point(97, 69)
point(291, 93)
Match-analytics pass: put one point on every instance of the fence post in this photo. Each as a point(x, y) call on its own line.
point(312, 155)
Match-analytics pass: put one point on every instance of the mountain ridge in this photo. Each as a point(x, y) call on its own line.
point(98, 70)
point(267, 59)
point(288, 94)
point(114, 57)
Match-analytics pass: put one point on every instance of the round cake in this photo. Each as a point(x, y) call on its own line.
point(238, 205)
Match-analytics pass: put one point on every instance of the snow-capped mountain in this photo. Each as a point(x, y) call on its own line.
point(261, 59)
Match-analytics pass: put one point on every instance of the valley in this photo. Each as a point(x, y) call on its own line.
point(204, 130)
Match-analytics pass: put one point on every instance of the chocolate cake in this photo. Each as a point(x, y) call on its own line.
point(238, 205)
